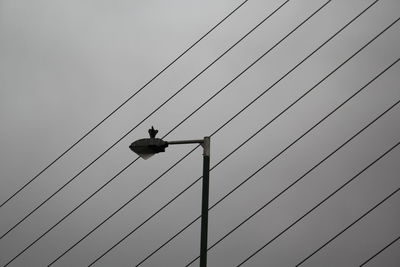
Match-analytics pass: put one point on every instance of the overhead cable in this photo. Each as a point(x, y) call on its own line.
point(297, 180)
point(149, 115)
point(320, 203)
point(231, 153)
point(353, 223)
point(192, 149)
point(231, 118)
point(37, 239)
point(126, 167)
point(380, 251)
point(365, 214)
point(123, 103)
point(162, 137)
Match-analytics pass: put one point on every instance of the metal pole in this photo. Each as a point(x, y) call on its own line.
point(204, 202)
point(180, 142)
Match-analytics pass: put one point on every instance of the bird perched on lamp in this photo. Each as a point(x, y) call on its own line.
point(153, 132)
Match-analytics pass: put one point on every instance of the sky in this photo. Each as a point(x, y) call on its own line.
point(66, 65)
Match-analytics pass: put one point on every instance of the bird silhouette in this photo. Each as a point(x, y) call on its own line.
point(153, 132)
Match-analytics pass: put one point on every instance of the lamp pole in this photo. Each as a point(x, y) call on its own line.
point(147, 147)
point(204, 202)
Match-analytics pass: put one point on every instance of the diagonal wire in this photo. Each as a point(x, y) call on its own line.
point(325, 199)
point(222, 127)
point(380, 251)
point(232, 153)
point(353, 223)
point(154, 111)
point(276, 10)
point(123, 103)
point(134, 197)
point(306, 173)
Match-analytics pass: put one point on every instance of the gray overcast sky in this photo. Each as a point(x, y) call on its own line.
point(65, 65)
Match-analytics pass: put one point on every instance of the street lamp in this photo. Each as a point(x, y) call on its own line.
point(147, 147)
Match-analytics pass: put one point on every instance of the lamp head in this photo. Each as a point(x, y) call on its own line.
point(147, 147)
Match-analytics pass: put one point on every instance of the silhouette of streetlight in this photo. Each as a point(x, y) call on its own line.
point(147, 147)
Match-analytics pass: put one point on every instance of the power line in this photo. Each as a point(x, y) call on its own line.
point(170, 132)
point(167, 170)
point(249, 66)
point(154, 214)
point(353, 223)
point(325, 199)
point(276, 10)
point(227, 122)
point(254, 28)
point(154, 111)
point(123, 103)
point(392, 148)
point(297, 180)
point(187, 226)
point(211, 135)
point(380, 251)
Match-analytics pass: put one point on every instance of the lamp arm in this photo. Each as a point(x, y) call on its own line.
point(180, 142)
